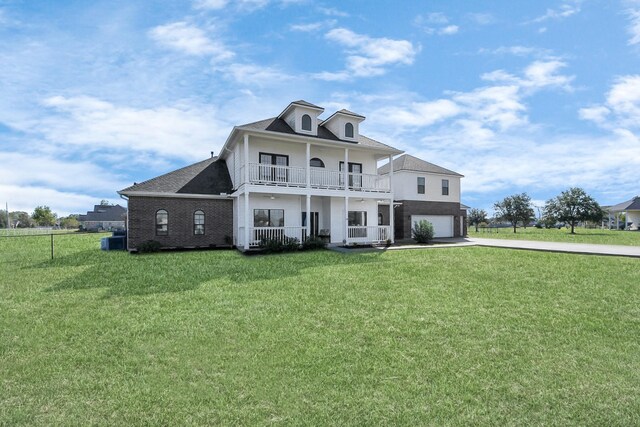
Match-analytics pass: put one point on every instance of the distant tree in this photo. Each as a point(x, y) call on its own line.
point(21, 219)
point(515, 208)
point(105, 202)
point(43, 216)
point(476, 216)
point(3, 218)
point(572, 206)
point(70, 221)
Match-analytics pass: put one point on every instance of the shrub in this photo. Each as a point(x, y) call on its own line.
point(149, 246)
point(278, 245)
point(422, 231)
point(314, 242)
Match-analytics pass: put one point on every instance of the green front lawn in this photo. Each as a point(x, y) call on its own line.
point(582, 235)
point(460, 336)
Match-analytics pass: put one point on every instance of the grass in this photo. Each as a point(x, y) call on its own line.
point(582, 235)
point(454, 336)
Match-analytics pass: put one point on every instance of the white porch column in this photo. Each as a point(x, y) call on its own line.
point(246, 158)
point(246, 219)
point(345, 172)
point(308, 165)
point(308, 215)
point(246, 192)
point(391, 213)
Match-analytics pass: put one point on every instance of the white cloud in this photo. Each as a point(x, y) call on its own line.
point(481, 18)
point(538, 74)
point(331, 11)
point(312, 26)
point(189, 39)
point(418, 113)
point(621, 108)
point(516, 50)
point(634, 27)
point(448, 30)
point(368, 56)
point(564, 11)
point(183, 131)
point(255, 75)
point(210, 4)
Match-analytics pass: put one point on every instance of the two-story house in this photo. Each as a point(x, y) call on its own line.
point(424, 191)
point(294, 175)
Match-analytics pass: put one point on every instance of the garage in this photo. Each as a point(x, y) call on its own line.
point(442, 224)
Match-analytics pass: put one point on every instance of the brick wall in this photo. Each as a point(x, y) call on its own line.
point(142, 221)
point(414, 207)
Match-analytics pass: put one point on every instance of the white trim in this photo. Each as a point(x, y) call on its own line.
point(174, 195)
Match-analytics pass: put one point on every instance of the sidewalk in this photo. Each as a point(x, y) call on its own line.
point(574, 248)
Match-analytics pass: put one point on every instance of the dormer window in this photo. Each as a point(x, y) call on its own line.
point(306, 122)
point(348, 130)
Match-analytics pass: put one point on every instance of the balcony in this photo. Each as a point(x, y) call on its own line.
point(289, 176)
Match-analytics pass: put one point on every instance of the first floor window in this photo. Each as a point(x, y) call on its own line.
point(421, 185)
point(198, 222)
point(268, 217)
point(357, 218)
point(445, 187)
point(162, 223)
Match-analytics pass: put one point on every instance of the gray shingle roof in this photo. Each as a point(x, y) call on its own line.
point(209, 176)
point(629, 205)
point(306, 104)
point(411, 163)
point(275, 124)
point(104, 213)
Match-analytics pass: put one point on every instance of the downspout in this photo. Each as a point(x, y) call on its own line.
point(126, 226)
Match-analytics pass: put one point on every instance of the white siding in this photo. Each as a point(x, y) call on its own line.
point(405, 186)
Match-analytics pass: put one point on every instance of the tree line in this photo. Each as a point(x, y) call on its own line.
point(571, 207)
point(42, 216)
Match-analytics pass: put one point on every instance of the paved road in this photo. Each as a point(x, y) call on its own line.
point(576, 248)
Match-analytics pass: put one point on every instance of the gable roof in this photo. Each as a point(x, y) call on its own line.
point(209, 176)
point(104, 213)
point(629, 205)
point(345, 113)
point(278, 125)
point(408, 162)
point(301, 103)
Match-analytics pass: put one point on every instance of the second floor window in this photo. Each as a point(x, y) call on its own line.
point(355, 174)
point(348, 130)
point(306, 122)
point(421, 185)
point(445, 187)
point(198, 222)
point(316, 163)
point(162, 223)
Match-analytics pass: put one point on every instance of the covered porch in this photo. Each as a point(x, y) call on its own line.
point(338, 220)
point(631, 211)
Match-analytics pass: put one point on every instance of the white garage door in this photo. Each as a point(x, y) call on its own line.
point(442, 224)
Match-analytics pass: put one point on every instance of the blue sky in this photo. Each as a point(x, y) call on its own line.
point(517, 96)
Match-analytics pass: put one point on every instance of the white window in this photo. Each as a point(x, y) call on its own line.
point(198, 222)
point(348, 130)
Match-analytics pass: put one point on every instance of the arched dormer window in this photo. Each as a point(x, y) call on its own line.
point(348, 130)
point(162, 223)
point(306, 122)
point(316, 163)
point(198, 222)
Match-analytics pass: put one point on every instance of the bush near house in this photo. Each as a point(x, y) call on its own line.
point(423, 231)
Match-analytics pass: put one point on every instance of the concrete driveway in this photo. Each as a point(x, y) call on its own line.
point(574, 248)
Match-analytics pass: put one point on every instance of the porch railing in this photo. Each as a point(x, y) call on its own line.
point(291, 176)
point(368, 234)
point(280, 234)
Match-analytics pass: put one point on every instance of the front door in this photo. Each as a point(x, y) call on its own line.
point(315, 222)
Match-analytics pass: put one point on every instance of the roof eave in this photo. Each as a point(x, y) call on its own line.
point(299, 105)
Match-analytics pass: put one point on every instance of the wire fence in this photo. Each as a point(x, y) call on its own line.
point(52, 244)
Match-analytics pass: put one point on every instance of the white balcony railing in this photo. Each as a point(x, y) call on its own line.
point(319, 178)
point(368, 234)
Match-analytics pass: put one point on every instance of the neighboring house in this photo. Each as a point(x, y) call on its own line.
point(424, 191)
point(631, 209)
point(294, 175)
point(104, 217)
